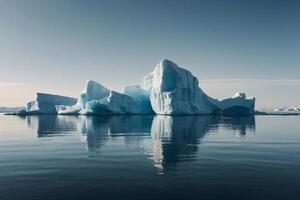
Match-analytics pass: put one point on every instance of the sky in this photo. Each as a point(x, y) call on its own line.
point(234, 45)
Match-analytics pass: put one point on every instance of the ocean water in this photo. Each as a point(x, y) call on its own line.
point(149, 157)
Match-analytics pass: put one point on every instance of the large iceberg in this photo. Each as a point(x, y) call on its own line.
point(172, 90)
point(168, 90)
point(97, 99)
point(45, 103)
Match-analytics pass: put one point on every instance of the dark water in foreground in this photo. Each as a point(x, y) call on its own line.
point(146, 157)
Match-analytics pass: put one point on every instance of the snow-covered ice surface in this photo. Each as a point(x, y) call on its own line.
point(97, 99)
point(45, 103)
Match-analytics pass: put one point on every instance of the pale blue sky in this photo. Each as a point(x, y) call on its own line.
point(55, 46)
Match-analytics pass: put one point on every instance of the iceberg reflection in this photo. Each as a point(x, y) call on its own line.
point(47, 125)
point(239, 124)
point(99, 129)
point(166, 140)
point(176, 138)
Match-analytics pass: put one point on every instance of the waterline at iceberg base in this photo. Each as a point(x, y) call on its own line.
point(168, 90)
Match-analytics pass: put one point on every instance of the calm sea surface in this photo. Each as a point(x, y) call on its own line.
point(149, 157)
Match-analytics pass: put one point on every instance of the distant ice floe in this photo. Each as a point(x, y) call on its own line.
point(287, 110)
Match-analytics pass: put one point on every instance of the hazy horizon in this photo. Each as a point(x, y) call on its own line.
point(55, 46)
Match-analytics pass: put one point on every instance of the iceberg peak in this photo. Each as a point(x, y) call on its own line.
point(167, 63)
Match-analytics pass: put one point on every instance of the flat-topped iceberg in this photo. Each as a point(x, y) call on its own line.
point(45, 103)
point(97, 99)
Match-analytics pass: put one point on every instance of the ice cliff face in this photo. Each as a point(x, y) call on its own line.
point(97, 99)
point(175, 91)
point(45, 103)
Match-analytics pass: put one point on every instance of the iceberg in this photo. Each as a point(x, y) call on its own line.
point(238, 104)
point(172, 90)
point(167, 90)
point(97, 99)
point(46, 103)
